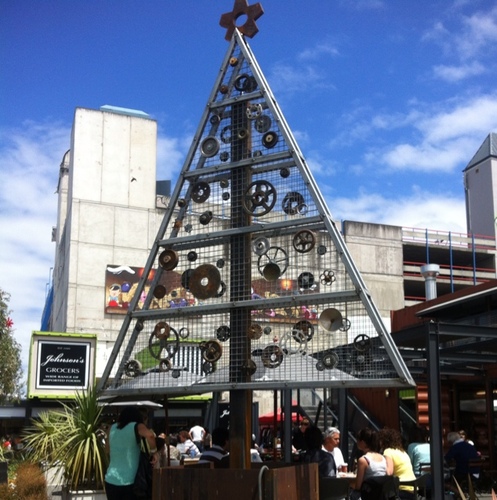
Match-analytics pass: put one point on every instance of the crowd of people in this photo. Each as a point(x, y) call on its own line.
point(379, 453)
point(128, 436)
point(383, 453)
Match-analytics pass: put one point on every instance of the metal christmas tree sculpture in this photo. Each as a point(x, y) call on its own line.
point(249, 284)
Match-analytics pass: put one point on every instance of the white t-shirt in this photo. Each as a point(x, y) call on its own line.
point(338, 456)
point(197, 433)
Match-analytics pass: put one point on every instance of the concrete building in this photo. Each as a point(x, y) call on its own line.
point(480, 185)
point(107, 216)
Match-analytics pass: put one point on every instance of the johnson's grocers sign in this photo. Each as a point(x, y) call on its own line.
point(61, 364)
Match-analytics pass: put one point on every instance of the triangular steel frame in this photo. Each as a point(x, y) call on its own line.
point(249, 284)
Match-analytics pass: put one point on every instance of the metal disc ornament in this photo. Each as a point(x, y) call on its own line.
point(164, 347)
point(262, 124)
point(330, 360)
point(362, 343)
point(327, 277)
point(305, 280)
point(254, 111)
point(160, 291)
point(168, 259)
point(209, 147)
point(304, 241)
point(330, 319)
point(132, 368)
point(205, 281)
point(254, 332)
point(272, 356)
point(223, 333)
point(291, 203)
point(259, 198)
point(273, 263)
point(260, 245)
point(201, 192)
point(212, 350)
point(306, 327)
point(206, 217)
point(162, 330)
point(192, 256)
point(270, 139)
point(249, 367)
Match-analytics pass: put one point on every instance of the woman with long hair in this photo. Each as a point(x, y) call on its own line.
point(123, 446)
point(392, 447)
point(372, 463)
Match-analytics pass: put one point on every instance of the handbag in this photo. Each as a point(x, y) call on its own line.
point(142, 486)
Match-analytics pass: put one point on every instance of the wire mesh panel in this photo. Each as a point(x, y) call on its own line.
point(252, 284)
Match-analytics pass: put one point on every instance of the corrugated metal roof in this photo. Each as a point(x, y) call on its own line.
point(487, 149)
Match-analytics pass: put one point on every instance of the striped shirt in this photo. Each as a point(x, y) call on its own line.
point(214, 454)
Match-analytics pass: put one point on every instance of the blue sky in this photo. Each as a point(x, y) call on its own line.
point(388, 100)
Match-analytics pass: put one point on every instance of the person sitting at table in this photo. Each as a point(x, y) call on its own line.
point(372, 463)
point(255, 456)
point(170, 454)
point(331, 444)
point(298, 439)
point(461, 453)
point(186, 446)
point(391, 444)
point(315, 453)
point(218, 453)
point(419, 449)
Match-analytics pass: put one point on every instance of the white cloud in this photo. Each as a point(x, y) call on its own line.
point(364, 4)
point(480, 31)
point(446, 138)
point(475, 116)
point(458, 73)
point(320, 166)
point(420, 209)
point(437, 33)
point(286, 78)
point(470, 46)
point(29, 165)
point(170, 155)
point(318, 52)
point(306, 71)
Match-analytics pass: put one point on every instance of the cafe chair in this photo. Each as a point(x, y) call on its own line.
point(380, 488)
point(421, 485)
point(333, 488)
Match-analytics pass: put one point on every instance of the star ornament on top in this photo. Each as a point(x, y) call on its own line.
point(241, 7)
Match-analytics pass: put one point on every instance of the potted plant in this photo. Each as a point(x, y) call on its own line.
point(70, 440)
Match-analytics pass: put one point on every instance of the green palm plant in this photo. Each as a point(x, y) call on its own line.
point(72, 437)
point(43, 438)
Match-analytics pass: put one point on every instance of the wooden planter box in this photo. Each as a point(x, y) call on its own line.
point(293, 482)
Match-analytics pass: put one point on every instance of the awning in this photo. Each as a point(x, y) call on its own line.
point(268, 418)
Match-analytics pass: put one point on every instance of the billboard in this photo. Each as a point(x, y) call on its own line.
point(61, 364)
